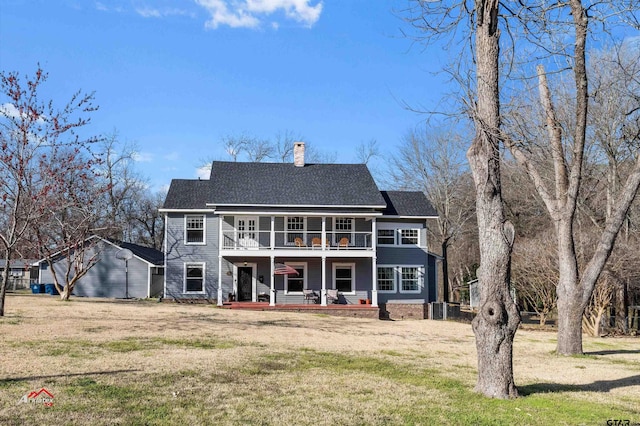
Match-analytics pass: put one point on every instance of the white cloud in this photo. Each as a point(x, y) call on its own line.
point(149, 12)
point(142, 157)
point(203, 172)
point(248, 13)
point(9, 110)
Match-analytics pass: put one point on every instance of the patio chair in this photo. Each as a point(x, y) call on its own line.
point(343, 243)
point(316, 242)
point(332, 296)
point(299, 243)
point(310, 295)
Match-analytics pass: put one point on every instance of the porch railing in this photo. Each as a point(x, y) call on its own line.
point(310, 240)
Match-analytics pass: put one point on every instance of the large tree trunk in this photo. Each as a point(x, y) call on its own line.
point(498, 318)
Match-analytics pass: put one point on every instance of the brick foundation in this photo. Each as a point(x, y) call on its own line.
point(403, 311)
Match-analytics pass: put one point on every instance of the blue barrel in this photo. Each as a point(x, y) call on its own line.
point(35, 288)
point(50, 289)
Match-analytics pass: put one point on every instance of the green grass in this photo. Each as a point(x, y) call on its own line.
point(269, 384)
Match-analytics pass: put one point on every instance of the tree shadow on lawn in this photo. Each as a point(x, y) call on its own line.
point(614, 352)
point(52, 376)
point(597, 386)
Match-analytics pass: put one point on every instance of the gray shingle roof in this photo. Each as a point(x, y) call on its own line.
point(151, 255)
point(282, 184)
point(187, 194)
point(285, 184)
point(407, 203)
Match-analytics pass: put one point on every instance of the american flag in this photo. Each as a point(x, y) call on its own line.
point(282, 269)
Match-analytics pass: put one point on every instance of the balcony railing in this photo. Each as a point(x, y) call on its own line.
point(339, 240)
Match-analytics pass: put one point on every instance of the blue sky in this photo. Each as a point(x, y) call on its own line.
point(175, 76)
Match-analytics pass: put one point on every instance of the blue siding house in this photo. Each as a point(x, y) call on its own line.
point(228, 237)
point(143, 277)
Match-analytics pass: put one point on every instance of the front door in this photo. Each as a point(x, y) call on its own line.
point(245, 282)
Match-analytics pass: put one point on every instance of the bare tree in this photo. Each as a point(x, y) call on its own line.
point(600, 300)
point(498, 317)
point(123, 186)
point(38, 142)
point(283, 145)
point(535, 281)
point(255, 149)
point(565, 155)
point(64, 239)
point(365, 152)
point(430, 160)
point(147, 222)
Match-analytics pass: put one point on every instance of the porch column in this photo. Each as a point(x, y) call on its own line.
point(272, 293)
point(374, 263)
point(323, 234)
point(272, 236)
point(323, 277)
point(219, 280)
point(220, 242)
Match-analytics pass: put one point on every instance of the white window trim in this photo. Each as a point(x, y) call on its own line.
point(304, 278)
point(334, 266)
point(421, 274)
point(395, 237)
point(336, 231)
point(236, 231)
point(399, 237)
point(204, 278)
point(287, 231)
point(395, 279)
point(397, 228)
point(204, 230)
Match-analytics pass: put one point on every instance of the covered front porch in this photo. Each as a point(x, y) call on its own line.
point(312, 281)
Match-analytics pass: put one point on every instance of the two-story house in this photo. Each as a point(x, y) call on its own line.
point(231, 236)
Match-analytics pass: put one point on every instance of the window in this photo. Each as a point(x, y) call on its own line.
point(343, 228)
point(194, 229)
point(386, 279)
point(194, 278)
point(344, 277)
point(387, 236)
point(410, 282)
point(344, 224)
point(295, 228)
point(409, 236)
point(295, 283)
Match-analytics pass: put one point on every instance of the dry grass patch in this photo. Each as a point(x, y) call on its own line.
point(149, 363)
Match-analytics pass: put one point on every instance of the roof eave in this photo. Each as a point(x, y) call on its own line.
point(301, 206)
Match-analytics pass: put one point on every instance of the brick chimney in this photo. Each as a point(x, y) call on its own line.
point(298, 154)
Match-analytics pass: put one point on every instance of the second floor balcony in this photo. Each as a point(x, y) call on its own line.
point(243, 239)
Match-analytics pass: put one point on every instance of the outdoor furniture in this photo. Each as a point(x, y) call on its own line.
point(343, 243)
point(317, 242)
point(310, 295)
point(332, 296)
point(299, 243)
